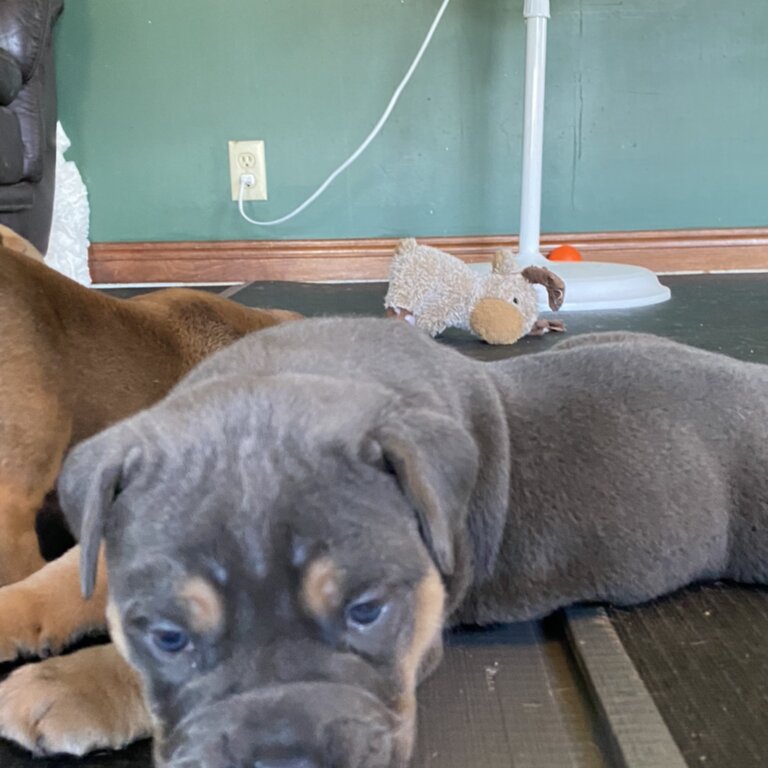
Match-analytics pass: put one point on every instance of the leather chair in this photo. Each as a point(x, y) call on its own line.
point(27, 117)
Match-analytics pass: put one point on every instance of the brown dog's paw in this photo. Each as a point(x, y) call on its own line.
point(28, 628)
point(74, 704)
point(24, 630)
point(41, 615)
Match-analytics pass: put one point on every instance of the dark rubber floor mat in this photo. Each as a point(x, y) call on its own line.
point(703, 655)
point(722, 313)
point(637, 733)
point(507, 698)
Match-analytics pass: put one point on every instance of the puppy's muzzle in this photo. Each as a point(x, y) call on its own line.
point(302, 725)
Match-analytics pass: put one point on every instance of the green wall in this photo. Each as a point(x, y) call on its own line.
point(657, 114)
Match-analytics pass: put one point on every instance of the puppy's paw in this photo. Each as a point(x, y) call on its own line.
point(74, 704)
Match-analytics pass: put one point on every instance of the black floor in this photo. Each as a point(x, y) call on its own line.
point(703, 655)
point(512, 696)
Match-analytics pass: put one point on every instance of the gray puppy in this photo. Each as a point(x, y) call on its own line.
point(289, 530)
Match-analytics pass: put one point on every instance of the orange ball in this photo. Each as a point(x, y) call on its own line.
point(564, 253)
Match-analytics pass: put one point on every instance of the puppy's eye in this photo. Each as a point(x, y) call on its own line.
point(365, 612)
point(515, 300)
point(170, 639)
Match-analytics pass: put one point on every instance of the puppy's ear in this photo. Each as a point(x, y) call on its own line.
point(436, 462)
point(91, 478)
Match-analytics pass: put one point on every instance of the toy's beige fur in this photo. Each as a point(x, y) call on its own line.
point(434, 291)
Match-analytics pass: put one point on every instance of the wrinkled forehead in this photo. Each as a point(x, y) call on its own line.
point(259, 472)
point(281, 405)
point(268, 521)
point(229, 440)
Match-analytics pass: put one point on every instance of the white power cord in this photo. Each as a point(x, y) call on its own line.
point(247, 179)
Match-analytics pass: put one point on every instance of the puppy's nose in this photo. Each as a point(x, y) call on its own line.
point(287, 762)
point(294, 725)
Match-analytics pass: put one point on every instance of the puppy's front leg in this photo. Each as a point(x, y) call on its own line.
point(46, 611)
point(74, 704)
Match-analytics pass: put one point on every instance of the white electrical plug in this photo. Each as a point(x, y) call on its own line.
point(247, 179)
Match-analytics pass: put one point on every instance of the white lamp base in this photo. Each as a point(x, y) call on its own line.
point(600, 285)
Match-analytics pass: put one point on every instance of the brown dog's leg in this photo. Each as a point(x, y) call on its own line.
point(34, 434)
point(19, 549)
point(46, 611)
point(74, 704)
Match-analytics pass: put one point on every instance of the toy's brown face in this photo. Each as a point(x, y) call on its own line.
point(497, 321)
point(280, 598)
point(510, 307)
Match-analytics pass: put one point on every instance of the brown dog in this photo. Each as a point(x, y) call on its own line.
point(72, 362)
point(15, 242)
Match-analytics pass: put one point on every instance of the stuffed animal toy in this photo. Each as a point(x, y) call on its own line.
point(434, 291)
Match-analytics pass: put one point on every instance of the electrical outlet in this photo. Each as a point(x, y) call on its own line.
point(248, 157)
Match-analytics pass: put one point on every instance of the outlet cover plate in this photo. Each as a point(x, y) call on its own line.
point(248, 157)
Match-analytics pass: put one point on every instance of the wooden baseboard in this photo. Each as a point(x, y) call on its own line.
point(701, 250)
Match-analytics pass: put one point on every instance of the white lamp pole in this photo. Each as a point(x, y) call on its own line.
point(588, 284)
point(536, 13)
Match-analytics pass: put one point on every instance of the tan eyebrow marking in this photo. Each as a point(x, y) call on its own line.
point(321, 587)
point(206, 611)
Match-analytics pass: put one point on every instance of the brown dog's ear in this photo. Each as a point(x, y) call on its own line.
point(436, 463)
point(91, 478)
